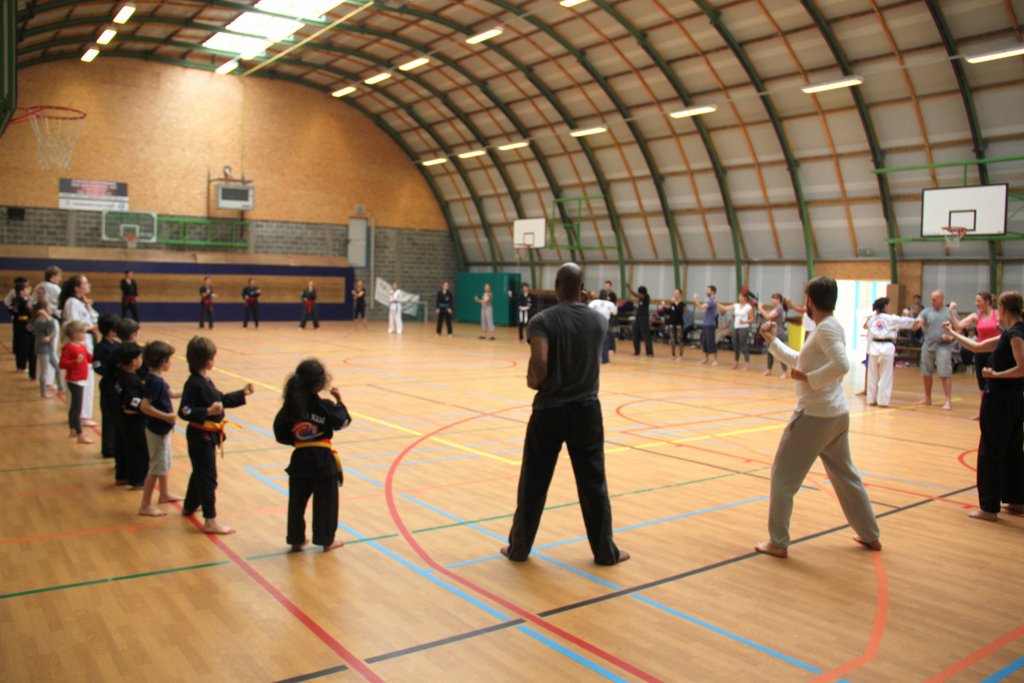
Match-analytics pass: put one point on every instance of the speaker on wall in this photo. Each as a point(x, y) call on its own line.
point(15, 213)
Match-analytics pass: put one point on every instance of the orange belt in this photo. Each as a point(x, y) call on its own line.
point(216, 427)
point(326, 443)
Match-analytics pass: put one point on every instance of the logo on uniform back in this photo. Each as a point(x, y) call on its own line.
point(306, 431)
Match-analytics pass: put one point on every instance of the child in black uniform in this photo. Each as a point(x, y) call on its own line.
point(202, 406)
point(307, 422)
point(103, 366)
point(132, 420)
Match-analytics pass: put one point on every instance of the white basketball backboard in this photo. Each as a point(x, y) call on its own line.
point(979, 209)
point(529, 233)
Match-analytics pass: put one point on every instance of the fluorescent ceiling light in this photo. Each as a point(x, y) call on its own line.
point(435, 162)
point(227, 67)
point(245, 47)
point(588, 131)
point(845, 82)
point(693, 111)
point(1014, 51)
point(414, 64)
point(124, 14)
point(474, 153)
point(106, 36)
point(486, 35)
point(272, 28)
point(571, 3)
point(513, 145)
point(300, 9)
point(344, 91)
point(90, 54)
point(379, 78)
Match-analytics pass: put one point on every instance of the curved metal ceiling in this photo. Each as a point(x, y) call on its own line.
point(774, 175)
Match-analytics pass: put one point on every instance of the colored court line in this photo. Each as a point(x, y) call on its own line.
point(1005, 672)
point(357, 664)
point(114, 579)
point(977, 655)
point(84, 532)
point(507, 604)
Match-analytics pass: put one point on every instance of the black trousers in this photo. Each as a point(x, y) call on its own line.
point(205, 315)
point(324, 490)
point(202, 484)
point(1001, 450)
point(129, 307)
point(981, 361)
point(580, 426)
point(252, 310)
point(309, 313)
point(110, 408)
point(24, 348)
point(445, 315)
point(642, 331)
point(76, 392)
point(135, 448)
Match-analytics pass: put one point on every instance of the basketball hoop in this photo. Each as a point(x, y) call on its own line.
point(56, 130)
point(953, 235)
point(131, 241)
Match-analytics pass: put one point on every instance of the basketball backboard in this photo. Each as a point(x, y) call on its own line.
point(529, 233)
point(978, 209)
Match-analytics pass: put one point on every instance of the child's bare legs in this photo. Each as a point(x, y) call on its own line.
point(147, 509)
point(166, 497)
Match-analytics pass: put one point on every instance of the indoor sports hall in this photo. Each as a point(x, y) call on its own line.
point(393, 188)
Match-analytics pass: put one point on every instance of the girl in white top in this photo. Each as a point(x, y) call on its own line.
point(743, 316)
point(395, 309)
point(486, 313)
point(78, 306)
point(882, 330)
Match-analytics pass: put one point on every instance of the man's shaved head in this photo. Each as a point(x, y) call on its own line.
point(568, 282)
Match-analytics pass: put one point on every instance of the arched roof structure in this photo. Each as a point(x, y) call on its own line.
point(772, 175)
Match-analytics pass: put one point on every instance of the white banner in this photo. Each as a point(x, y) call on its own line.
point(382, 295)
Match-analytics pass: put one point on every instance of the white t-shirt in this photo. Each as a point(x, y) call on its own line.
point(741, 316)
point(604, 307)
point(75, 309)
point(883, 326)
point(823, 359)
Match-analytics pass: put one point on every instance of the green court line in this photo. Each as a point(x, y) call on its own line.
point(65, 586)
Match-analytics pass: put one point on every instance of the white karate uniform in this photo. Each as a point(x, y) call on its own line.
point(395, 311)
point(882, 331)
point(75, 309)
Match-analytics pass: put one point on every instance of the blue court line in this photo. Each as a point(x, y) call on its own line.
point(414, 462)
point(1005, 672)
point(694, 620)
point(431, 576)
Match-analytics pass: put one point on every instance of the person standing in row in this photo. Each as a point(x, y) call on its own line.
point(1001, 448)
point(132, 421)
point(251, 296)
point(673, 317)
point(160, 419)
point(395, 309)
point(129, 296)
point(642, 321)
point(46, 330)
point(776, 314)
point(359, 306)
point(307, 422)
point(937, 352)
point(49, 290)
point(309, 306)
point(564, 347)
point(524, 308)
point(486, 313)
point(21, 319)
point(820, 425)
point(612, 297)
point(883, 329)
point(986, 322)
point(444, 307)
point(76, 360)
point(607, 309)
point(76, 305)
point(743, 317)
point(708, 342)
point(206, 297)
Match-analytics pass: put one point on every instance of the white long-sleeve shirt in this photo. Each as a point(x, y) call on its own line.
point(883, 327)
point(823, 359)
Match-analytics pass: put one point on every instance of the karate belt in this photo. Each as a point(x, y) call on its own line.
point(309, 305)
point(216, 428)
point(22, 317)
point(207, 302)
point(325, 443)
point(251, 300)
point(129, 298)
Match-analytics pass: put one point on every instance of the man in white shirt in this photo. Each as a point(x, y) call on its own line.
point(607, 309)
point(820, 425)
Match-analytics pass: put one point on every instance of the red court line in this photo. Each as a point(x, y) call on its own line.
point(964, 462)
point(357, 664)
point(977, 655)
point(85, 532)
point(525, 614)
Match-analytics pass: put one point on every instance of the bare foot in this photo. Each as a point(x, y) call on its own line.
point(137, 487)
point(187, 513)
point(298, 547)
point(872, 404)
point(151, 511)
point(734, 366)
point(702, 362)
point(714, 362)
point(171, 498)
point(947, 406)
point(623, 556)
point(215, 527)
point(333, 546)
point(746, 368)
point(976, 418)
point(82, 438)
point(1014, 509)
point(981, 514)
point(870, 545)
point(861, 393)
point(924, 402)
point(769, 548)
point(89, 423)
point(767, 373)
point(784, 375)
point(505, 550)
point(72, 434)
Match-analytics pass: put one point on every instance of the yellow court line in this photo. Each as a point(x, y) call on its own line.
point(384, 423)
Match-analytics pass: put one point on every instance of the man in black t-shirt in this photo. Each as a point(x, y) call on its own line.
point(565, 350)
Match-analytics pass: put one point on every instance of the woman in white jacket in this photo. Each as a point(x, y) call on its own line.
point(76, 305)
point(882, 330)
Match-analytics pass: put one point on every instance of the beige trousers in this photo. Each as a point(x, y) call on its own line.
point(803, 441)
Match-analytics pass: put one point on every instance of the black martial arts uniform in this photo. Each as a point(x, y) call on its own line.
point(1001, 448)
point(205, 306)
point(110, 405)
point(251, 296)
point(129, 298)
point(445, 304)
point(642, 325)
point(524, 309)
point(309, 308)
point(315, 469)
point(132, 427)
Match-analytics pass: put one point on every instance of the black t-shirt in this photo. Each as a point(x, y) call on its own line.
point(319, 424)
point(197, 397)
point(643, 307)
point(675, 313)
point(575, 334)
point(159, 395)
point(1002, 359)
point(444, 300)
point(129, 390)
point(251, 293)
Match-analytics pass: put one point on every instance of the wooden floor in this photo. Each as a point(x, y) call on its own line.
point(91, 591)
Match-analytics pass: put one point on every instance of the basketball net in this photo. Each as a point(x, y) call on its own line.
point(131, 241)
point(56, 130)
point(953, 235)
